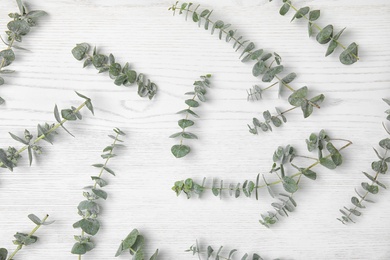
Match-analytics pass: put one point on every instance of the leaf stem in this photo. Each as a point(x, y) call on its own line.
point(108, 158)
point(8, 48)
point(258, 59)
point(29, 235)
point(361, 199)
point(320, 29)
point(187, 114)
point(298, 174)
point(48, 132)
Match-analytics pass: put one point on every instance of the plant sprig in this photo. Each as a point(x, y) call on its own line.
point(17, 28)
point(9, 158)
point(379, 167)
point(325, 35)
point(219, 254)
point(89, 209)
point(181, 150)
point(122, 75)
point(284, 162)
point(134, 243)
point(23, 239)
point(267, 65)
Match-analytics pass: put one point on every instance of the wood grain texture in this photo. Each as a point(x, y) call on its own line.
point(173, 53)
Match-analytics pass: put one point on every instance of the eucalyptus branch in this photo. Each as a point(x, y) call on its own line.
point(135, 244)
point(17, 28)
point(89, 209)
point(23, 239)
point(325, 35)
point(262, 67)
point(10, 158)
point(181, 150)
point(217, 255)
point(283, 161)
point(121, 75)
point(379, 167)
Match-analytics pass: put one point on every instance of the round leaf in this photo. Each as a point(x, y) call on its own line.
point(180, 151)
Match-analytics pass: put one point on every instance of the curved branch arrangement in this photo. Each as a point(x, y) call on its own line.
point(379, 167)
point(286, 170)
point(267, 65)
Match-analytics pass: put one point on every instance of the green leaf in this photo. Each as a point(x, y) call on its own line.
point(101, 182)
point(349, 56)
point(98, 60)
point(139, 254)
point(100, 193)
point(328, 163)
point(115, 69)
point(90, 226)
point(20, 6)
point(298, 96)
point(285, 8)
point(256, 54)
point(3, 254)
point(35, 219)
point(128, 242)
point(374, 180)
point(109, 170)
point(180, 151)
point(80, 50)
point(333, 44)
point(18, 139)
point(195, 17)
point(25, 239)
point(309, 174)
point(154, 256)
point(189, 111)
point(370, 188)
point(301, 12)
point(68, 114)
point(184, 123)
point(36, 14)
point(276, 121)
point(314, 15)
point(385, 143)
point(192, 103)
point(188, 135)
point(271, 73)
point(325, 35)
point(6, 58)
point(355, 201)
point(19, 27)
point(289, 184)
point(120, 79)
point(79, 249)
point(131, 76)
point(3, 158)
point(289, 78)
point(259, 68)
point(248, 48)
point(317, 99)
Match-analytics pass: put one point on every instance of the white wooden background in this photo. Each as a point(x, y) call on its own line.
point(173, 53)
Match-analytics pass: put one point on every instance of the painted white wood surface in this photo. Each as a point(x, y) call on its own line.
point(174, 53)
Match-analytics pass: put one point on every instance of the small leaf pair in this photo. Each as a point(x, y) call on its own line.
point(199, 93)
point(325, 35)
point(135, 244)
point(89, 209)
